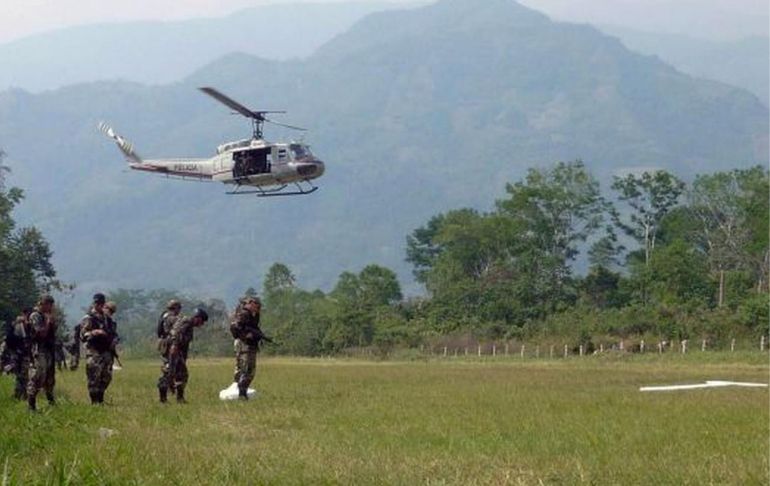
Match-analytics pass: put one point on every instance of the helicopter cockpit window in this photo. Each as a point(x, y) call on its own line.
point(300, 151)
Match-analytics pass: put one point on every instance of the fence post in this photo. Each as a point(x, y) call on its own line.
point(684, 346)
point(537, 352)
point(601, 348)
point(641, 346)
point(732, 345)
point(445, 351)
point(703, 345)
point(565, 350)
point(522, 350)
point(660, 347)
point(506, 349)
point(479, 350)
point(551, 350)
point(466, 350)
point(581, 350)
point(762, 343)
point(622, 345)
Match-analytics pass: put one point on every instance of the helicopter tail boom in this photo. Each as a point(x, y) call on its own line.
point(124, 145)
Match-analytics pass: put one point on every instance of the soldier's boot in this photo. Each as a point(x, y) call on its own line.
point(163, 393)
point(180, 394)
point(243, 394)
point(32, 403)
point(101, 397)
point(94, 397)
point(51, 399)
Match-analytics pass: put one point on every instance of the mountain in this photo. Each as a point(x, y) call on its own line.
point(744, 63)
point(164, 52)
point(415, 112)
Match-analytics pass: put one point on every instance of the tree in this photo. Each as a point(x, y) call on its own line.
point(560, 208)
point(278, 280)
point(25, 256)
point(650, 196)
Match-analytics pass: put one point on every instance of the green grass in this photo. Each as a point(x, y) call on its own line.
point(466, 421)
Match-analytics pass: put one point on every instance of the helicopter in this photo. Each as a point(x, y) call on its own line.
point(252, 166)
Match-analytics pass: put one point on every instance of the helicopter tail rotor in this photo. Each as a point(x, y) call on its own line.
point(124, 145)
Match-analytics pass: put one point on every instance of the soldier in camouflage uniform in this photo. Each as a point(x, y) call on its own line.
point(42, 369)
point(247, 333)
point(97, 331)
point(178, 346)
point(19, 346)
point(165, 323)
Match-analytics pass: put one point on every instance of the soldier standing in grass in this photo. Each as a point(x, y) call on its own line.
point(245, 329)
point(179, 339)
point(19, 343)
point(97, 331)
point(42, 368)
point(165, 324)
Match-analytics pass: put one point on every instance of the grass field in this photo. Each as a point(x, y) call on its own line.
point(462, 421)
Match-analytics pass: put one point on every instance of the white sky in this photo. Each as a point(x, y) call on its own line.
point(699, 18)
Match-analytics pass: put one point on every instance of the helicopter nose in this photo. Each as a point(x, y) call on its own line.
point(313, 168)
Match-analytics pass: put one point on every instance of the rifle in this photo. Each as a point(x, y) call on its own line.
point(115, 355)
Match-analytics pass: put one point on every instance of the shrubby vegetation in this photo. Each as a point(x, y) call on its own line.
point(666, 261)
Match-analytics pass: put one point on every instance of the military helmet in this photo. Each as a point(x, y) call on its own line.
point(252, 298)
point(198, 312)
point(99, 298)
point(173, 304)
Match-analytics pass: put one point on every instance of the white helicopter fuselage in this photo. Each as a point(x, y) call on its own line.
point(251, 162)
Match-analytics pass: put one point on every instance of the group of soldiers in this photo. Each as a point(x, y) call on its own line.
point(175, 333)
point(32, 346)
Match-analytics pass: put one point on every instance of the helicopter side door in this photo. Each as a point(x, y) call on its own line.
point(251, 162)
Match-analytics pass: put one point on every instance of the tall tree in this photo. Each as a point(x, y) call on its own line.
point(560, 208)
point(649, 196)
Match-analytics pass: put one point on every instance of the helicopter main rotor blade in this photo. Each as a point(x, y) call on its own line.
point(232, 104)
point(286, 126)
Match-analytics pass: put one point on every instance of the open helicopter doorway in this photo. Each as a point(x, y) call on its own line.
point(251, 162)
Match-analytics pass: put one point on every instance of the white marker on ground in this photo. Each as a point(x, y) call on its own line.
point(707, 384)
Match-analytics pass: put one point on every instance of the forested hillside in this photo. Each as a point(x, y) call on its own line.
point(416, 112)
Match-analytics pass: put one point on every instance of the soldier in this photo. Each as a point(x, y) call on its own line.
point(165, 323)
point(42, 369)
point(179, 344)
point(20, 346)
point(97, 331)
point(245, 329)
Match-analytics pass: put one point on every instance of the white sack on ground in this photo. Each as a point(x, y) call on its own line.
point(231, 392)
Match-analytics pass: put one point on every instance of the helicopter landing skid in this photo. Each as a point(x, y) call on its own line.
point(274, 192)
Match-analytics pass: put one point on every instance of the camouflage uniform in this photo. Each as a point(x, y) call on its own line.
point(179, 338)
point(99, 352)
point(165, 324)
point(245, 329)
point(19, 343)
point(42, 366)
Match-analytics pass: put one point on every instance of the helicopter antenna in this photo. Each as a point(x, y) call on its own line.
point(258, 118)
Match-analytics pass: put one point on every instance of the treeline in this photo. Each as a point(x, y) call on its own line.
point(659, 258)
point(664, 260)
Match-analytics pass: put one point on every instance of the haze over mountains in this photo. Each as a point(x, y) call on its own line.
point(164, 52)
point(415, 111)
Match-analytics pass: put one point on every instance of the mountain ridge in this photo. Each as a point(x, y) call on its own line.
point(407, 129)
